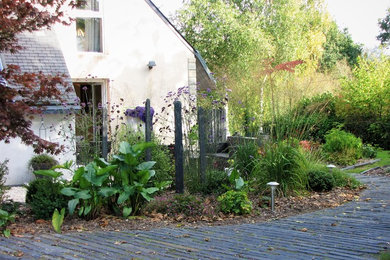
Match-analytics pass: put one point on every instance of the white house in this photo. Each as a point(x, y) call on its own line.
point(115, 51)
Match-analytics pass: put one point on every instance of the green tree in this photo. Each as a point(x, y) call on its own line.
point(384, 25)
point(338, 46)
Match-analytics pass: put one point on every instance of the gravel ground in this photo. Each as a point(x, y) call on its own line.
point(16, 193)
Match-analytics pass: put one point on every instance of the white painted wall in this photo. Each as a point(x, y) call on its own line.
point(19, 154)
point(133, 34)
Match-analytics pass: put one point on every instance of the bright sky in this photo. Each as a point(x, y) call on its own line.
point(359, 16)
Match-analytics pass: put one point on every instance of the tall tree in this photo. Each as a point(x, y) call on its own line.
point(338, 46)
point(384, 25)
point(23, 95)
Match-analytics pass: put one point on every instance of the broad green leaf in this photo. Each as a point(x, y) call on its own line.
point(69, 191)
point(108, 191)
point(81, 211)
point(239, 183)
point(83, 194)
point(146, 165)
point(123, 196)
point(98, 180)
point(129, 189)
point(146, 196)
point(78, 174)
point(7, 233)
point(131, 160)
point(118, 157)
point(127, 211)
point(58, 219)
point(48, 173)
point(101, 162)
point(140, 147)
point(151, 190)
point(87, 209)
point(107, 169)
point(124, 148)
point(72, 204)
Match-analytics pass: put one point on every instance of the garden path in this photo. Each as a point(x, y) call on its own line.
point(356, 230)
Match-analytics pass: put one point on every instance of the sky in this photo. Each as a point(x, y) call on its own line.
point(360, 17)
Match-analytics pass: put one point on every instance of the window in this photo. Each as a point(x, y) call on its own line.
point(92, 5)
point(89, 26)
point(89, 36)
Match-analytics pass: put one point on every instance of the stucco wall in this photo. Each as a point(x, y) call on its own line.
point(19, 154)
point(133, 34)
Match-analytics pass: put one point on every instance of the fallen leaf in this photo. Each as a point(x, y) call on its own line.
point(40, 221)
point(19, 253)
point(207, 239)
point(303, 229)
point(334, 224)
point(120, 242)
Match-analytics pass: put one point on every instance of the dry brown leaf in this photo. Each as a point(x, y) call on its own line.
point(303, 229)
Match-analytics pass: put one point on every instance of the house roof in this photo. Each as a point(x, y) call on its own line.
point(41, 53)
point(196, 52)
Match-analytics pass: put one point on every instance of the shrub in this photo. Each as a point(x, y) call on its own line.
point(369, 151)
point(213, 184)
point(43, 196)
point(3, 173)
point(5, 219)
point(320, 180)
point(343, 179)
point(282, 162)
point(42, 162)
point(342, 147)
point(235, 202)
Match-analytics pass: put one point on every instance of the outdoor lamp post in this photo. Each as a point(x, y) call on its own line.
point(330, 167)
point(273, 185)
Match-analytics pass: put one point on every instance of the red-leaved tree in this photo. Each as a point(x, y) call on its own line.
point(23, 95)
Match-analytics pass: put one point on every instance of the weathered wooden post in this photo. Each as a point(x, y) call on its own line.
point(148, 129)
point(179, 160)
point(202, 144)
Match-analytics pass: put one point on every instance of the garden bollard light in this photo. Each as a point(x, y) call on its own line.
point(273, 185)
point(330, 167)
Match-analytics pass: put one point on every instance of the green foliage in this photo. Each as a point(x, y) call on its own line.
point(58, 219)
point(365, 102)
point(236, 202)
point(5, 219)
point(164, 167)
point(342, 147)
point(343, 179)
point(42, 162)
point(213, 184)
point(384, 26)
point(338, 46)
point(121, 185)
point(320, 180)
point(310, 119)
point(282, 162)
point(246, 157)
point(43, 196)
point(3, 173)
point(369, 151)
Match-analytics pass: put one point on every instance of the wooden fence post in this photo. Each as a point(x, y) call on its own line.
point(179, 159)
point(148, 129)
point(202, 144)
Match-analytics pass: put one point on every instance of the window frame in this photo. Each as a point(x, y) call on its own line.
point(85, 14)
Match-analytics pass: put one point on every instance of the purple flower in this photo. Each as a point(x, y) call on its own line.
point(208, 90)
point(85, 88)
point(139, 112)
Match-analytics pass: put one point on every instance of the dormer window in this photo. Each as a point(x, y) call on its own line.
point(89, 26)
